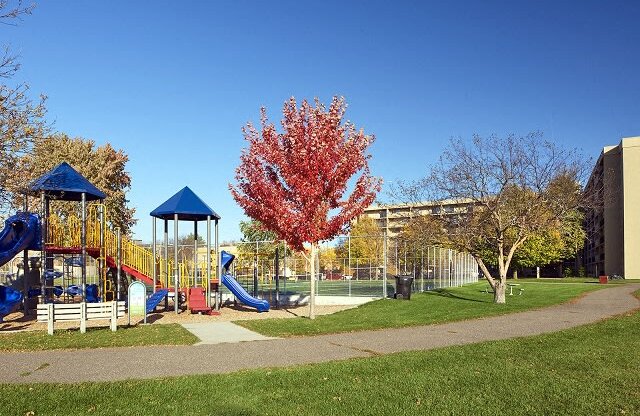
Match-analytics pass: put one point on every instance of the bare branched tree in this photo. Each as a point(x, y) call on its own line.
point(21, 122)
point(21, 119)
point(10, 12)
point(513, 188)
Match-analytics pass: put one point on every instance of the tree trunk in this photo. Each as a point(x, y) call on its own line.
point(499, 284)
point(312, 290)
point(500, 290)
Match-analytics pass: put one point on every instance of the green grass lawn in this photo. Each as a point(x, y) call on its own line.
point(445, 305)
point(590, 370)
point(170, 334)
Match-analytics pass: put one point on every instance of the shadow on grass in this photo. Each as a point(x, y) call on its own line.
point(445, 293)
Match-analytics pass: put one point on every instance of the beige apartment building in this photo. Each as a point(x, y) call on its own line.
point(392, 218)
point(613, 229)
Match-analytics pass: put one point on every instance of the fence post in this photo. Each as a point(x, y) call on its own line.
point(255, 272)
point(50, 318)
point(83, 317)
point(349, 254)
point(114, 316)
point(422, 268)
point(284, 265)
point(384, 266)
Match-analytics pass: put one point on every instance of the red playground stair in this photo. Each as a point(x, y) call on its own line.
point(198, 300)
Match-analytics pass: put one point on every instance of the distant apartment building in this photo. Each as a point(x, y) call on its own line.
point(392, 218)
point(613, 228)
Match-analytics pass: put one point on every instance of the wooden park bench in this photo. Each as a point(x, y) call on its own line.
point(83, 312)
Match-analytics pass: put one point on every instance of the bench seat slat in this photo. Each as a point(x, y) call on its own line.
point(67, 318)
point(61, 306)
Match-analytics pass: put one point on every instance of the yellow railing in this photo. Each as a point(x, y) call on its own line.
point(67, 232)
point(187, 277)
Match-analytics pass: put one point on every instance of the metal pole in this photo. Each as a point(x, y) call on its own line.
point(48, 260)
point(208, 289)
point(431, 267)
point(429, 270)
point(153, 258)
point(384, 266)
point(25, 264)
point(441, 267)
point(118, 261)
point(449, 267)
point(439, 262)
point(465, 268)
point(405, 258)
point(83, 243)
point(195, 253)
point(397, 260)
point(218, 268)
point(349, 252)
point(44, 246)
point(277, 275)
point(166, 261)
point(176, 283)
point(284, 265)
point(312, 283)
point(103, 252)
point(422, 268)
point(255, 272)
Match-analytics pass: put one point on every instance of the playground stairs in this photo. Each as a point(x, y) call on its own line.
point(198, 300)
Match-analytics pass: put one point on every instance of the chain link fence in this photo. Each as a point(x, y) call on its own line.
point(363, 266)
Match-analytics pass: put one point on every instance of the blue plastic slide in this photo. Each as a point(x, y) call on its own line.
point(260, 304)
point(9, 299)
point(21, 232)
point(155, 299)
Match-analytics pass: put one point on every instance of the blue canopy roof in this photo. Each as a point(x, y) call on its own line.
point(187, 205)
point(64, 182)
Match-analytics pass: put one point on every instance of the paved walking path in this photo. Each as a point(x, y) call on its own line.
point(222, 332)
point(108, 364)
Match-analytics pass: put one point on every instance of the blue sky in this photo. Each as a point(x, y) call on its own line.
point(172, 83)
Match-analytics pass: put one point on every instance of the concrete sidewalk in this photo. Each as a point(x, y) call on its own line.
point(109, 364)
point(222, 333)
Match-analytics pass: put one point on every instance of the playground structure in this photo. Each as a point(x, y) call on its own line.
point(197, 284)
point(75, 239)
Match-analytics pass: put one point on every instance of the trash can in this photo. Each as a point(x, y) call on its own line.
point(604, 279)
point(403, 287)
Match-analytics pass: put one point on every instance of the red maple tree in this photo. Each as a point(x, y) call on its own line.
point(295, 182)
